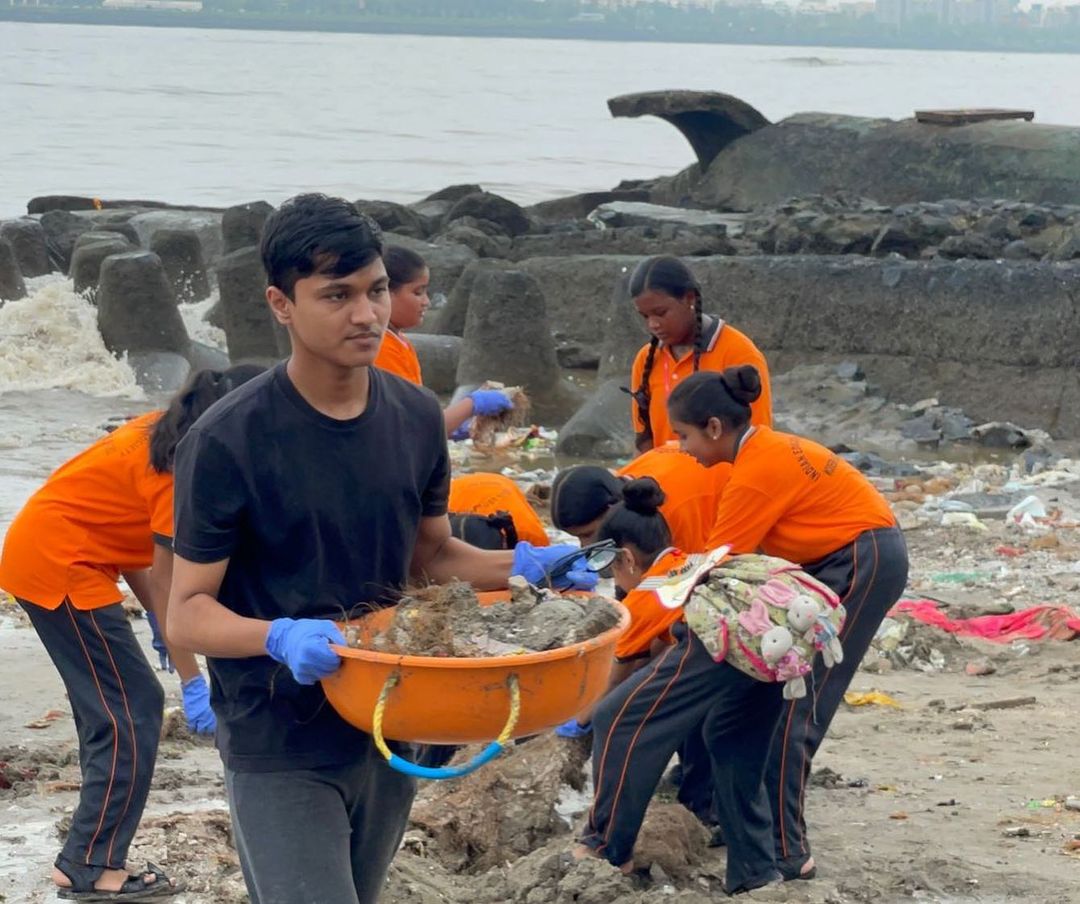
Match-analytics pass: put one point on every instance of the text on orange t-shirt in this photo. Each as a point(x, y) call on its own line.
point(794, 499)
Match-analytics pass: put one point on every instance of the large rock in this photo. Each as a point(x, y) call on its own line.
point(242, 225)
point(204, 223)
point(639, 213)
point(578, 292)
point(12, 285)
point(893, 162)
point(181, 254)
point(250, 329)
point(449, 320)
point(475, 238)
point(578, 207)
point(90, 252)
point(62, 228)
point(709, 120)
point(623, 334)
point(136, 307)
point(601, 428)
point(445, 262)
point(508, 339)
point(29, 242)
point(507, 215)
point(396, 218)
point(679, 240)
point(164, 372)
point(439, 358)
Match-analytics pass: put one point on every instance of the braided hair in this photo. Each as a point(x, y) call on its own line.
point(672, 277)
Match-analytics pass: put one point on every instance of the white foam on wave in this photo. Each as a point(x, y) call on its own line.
point(50, 340)
point(198, 328)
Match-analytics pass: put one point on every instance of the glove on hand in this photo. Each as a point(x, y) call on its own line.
point(488, 402)
point(200, 717)
point(534, 562)
point(166, 663)
point(571, 728)
point(303, 644)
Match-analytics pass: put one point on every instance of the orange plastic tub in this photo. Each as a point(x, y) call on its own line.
point(447, 700)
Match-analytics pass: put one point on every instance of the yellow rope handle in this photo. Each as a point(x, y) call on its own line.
point(444, 772)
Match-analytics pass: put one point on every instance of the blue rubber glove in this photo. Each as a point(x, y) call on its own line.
point(200, 717)
point(571, 728)
point(462, 432)
point(488, 402)
point(532, 562)
point(303, 644)
point(166, 663)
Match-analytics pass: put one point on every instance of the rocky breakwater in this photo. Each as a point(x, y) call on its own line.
point(969, 302)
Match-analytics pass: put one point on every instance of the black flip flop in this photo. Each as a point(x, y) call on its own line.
point(135, 889)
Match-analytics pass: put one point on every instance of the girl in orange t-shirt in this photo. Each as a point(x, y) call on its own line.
point(684, 340)
point(792, 498)
point(105, 514)
point(409, 302)
point(656, 706)
point(476, 503)
point(583, 494)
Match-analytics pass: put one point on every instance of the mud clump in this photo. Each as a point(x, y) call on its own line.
point(448, 620)
point(24, 771)
point(503, 811)
point(197, 849)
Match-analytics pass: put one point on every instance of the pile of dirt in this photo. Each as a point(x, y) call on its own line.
point(448, 620)
point(197, 848)
point(503, 811)
point(24, 771)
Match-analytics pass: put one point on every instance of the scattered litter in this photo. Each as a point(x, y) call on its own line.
point(980, 667)
point(46, 720)
point(1017, 832)
point(871, 698)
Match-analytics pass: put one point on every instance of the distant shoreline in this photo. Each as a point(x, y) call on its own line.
point(583, 31)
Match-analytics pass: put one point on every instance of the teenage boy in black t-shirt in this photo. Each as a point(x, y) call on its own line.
point(309, 493)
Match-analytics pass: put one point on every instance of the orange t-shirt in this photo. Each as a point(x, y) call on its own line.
point(649, 618)
point(691, 492)
point(486, 494)
point(95, 517)
point(794, 499)
point(727, 347)
point(397, 356)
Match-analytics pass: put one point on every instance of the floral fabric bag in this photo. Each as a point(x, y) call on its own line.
point(764, 616)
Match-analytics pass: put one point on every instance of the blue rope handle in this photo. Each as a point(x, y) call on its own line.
point(400, 764)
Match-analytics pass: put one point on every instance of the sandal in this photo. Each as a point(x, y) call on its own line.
point(792, 869)
point(135, 888)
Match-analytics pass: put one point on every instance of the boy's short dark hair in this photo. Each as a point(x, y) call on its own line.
point(314, 233)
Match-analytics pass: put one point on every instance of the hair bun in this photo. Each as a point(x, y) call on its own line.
point(744, 383)
point(643, 496)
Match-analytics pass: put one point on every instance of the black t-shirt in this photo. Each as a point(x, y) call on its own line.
point(318, 518)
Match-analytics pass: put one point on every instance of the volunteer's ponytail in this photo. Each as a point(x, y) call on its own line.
point(726, 396)
point(637, 520)
point(202, 389)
